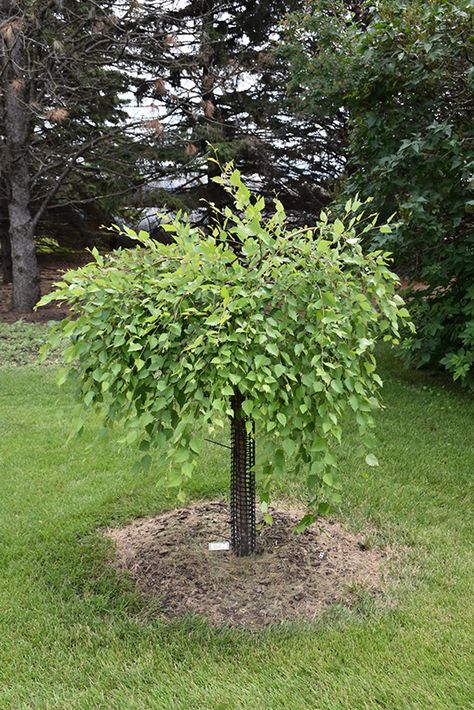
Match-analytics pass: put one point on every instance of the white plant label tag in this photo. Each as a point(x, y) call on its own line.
point(219, 546)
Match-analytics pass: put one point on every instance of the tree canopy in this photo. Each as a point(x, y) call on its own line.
point(161, 338)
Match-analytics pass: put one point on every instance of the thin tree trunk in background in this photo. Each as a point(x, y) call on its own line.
point(16, 98)
point(213, 114)
point(242, 494)
point(7, 273)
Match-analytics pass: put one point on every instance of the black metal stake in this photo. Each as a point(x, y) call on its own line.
point(242, 493)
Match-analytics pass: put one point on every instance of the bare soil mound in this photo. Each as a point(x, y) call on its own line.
point(292, 576)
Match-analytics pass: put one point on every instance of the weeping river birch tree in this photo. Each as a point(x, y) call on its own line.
point(254, 322)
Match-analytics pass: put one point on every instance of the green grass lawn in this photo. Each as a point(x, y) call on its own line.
point(73, 636)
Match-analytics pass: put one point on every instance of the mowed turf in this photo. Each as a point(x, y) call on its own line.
point(74, 636)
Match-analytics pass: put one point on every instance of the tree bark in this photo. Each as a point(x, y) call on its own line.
point(6, 257)
point(16, 110)
point(25, 272)
point(242, 494)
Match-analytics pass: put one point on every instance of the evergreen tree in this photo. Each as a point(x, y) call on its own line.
point(220, 83)
point(65, 135)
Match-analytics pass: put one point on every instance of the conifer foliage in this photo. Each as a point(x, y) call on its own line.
point(66, 137)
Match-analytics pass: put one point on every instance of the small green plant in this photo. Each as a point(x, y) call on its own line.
point(270, 326)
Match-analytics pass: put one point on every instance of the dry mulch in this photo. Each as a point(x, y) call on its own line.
point(52, 267)
point(292, 576)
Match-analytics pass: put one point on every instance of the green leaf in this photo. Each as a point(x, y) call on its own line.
point(289, 447)
point(146, 462)
point(281, 418)
point(354, 402)
point(328, 479)
point(139, 363)
point(324, 508)
point(247, 406)
point(195, 445)
point(214, 319)
point(187, 469)
point(319, 444)
point(329, 299)
point(308, 380)
point(62, 376)
point(279, 459)
point(181, 455)
point(174, 478)
point(371, 460)
point(132, 436)
point(272, 349)
point(305, 522)
point(279, 370)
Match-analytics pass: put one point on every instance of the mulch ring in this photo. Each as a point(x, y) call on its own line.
point(52, 268)
point(292, 576)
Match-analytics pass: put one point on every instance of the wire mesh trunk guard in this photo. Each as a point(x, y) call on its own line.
point(242, 493)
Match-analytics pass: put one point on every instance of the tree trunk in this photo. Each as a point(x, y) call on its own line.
point(26, 281)
point(16, 100)
point(215, 127)
point(242, 494)
point(6, 257)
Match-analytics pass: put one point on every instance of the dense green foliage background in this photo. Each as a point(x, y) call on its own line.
point(403, 75)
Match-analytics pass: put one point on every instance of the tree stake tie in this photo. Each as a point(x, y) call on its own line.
point(217, 443)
